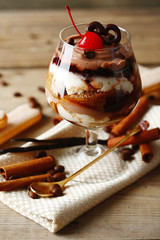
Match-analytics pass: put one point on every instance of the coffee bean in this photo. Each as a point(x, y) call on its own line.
point(59, 168)
point(4, 83)
point(54, 186)
point(33, 103)
point(52, 171)
point(32, 195)
point(41, 154)
point(41, 89)
point(56, 190)
point(126, 153)
point(59, 176)
point(135, 147)
point(50, 179)
point(17, 94)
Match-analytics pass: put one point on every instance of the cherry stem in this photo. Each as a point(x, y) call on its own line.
point(68, 9)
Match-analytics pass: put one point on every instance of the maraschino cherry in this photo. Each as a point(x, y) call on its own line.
point(90, 40)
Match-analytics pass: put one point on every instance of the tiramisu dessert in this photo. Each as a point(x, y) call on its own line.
point(93, 78)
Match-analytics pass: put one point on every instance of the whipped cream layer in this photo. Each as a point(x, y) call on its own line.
point(75, 83)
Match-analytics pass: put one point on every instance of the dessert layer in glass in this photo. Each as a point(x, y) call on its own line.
point(93, 88)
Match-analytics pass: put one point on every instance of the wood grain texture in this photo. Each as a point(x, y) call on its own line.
point(28, 38)
point(49, 4)
point(27, 42)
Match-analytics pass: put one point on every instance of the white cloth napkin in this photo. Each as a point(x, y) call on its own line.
point(149, 76)
point(89, 188)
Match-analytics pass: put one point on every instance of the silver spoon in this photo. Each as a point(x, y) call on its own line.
point(43, 188)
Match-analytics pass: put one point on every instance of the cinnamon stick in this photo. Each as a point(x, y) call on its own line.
point(142, 137)
point(151, 88)
point(128, 121)
point(28, 168)
point(22, 182)
point(146, 152)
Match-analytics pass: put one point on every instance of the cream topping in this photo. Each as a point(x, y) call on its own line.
point(105, 58)
point(75, 83)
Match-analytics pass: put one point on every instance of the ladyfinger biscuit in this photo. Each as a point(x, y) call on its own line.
point(3, 119)
point(19, 119)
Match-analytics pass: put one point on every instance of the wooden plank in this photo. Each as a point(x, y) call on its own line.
point(29, 38)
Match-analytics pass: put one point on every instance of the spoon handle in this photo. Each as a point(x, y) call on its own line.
point(134, 131)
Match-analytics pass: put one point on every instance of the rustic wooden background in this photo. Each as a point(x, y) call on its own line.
point(29, 38)
point(45, 4)
point(27, 42)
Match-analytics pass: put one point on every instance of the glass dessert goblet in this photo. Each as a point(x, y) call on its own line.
point(93, 88)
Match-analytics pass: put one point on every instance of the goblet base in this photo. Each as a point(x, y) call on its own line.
point(90, 151)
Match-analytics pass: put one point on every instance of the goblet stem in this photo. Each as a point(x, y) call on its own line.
point(91, 147)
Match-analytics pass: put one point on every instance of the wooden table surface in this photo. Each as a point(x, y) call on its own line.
point(27, 42)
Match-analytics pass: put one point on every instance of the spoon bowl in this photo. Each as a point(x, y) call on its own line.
point(42, 189)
